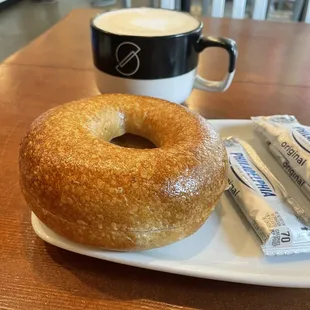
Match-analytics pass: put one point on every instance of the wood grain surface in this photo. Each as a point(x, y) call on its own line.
point(272, 77)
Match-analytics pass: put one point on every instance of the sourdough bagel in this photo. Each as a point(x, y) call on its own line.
point(101, 194)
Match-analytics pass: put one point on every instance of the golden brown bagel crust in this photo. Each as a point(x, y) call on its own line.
point(101, 194)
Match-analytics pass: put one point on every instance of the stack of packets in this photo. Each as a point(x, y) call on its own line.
point(282, 225)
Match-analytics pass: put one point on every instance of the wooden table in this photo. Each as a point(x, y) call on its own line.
point(272, 77)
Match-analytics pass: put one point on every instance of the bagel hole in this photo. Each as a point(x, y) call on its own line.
point(133, 141)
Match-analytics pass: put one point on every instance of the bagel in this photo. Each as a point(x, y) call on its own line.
point(101, 194)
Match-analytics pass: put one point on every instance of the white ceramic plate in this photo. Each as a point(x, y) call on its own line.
point(225, 248)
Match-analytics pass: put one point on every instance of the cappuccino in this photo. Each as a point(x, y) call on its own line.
point(146, 22)
point(153, 52)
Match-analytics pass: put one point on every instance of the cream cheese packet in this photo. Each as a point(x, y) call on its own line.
point(289, 142)
point(276, 218)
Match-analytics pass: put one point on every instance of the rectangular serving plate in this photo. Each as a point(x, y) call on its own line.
point(225, 248)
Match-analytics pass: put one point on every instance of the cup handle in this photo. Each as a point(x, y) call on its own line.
point(231, 47)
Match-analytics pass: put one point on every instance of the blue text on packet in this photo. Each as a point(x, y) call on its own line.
point(263, 187)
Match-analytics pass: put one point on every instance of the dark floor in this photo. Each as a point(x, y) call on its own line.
point(22, 22)
point(25, 20)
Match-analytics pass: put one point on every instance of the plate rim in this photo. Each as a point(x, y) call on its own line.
point(215, 274)
point(212, 273)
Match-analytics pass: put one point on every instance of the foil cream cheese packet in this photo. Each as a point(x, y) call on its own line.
point(276, 218)
point(289, 142)
point(295, 177)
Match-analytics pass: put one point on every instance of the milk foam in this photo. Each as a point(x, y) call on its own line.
point(146, 22)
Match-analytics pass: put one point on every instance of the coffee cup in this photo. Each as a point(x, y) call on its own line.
point(154, 52)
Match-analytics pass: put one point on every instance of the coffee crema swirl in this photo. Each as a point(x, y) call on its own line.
point(146, 22)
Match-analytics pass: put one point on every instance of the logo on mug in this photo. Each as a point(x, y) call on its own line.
point(127, 57)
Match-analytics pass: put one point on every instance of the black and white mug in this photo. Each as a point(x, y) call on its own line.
point(153, 52)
